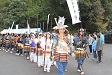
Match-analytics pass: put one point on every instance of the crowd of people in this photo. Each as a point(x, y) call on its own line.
point(54, 48)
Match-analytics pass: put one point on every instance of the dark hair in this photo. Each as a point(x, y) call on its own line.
point(98, 36)
point(94, 37)
point(101, 32)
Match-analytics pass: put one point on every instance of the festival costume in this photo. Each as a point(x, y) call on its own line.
point(40, 51)
point(61, 50)
point(47, 54)
point(3, 42)
point(33, 49)
point(27, 47)
point(20, 46)
point(14, 43)
point(80, 53)
point(11, 48)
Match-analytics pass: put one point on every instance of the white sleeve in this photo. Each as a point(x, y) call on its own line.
point(30, 41)
point(42, 44)
point(36, 40)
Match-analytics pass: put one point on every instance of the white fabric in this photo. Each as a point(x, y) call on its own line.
point(40, 60)
point(33, 57)
point(74, 10)
point(48, 64)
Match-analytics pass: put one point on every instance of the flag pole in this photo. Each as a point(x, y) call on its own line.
point(43, 26)
point(40, 25)
point(46, 38)
point(47, 22)
point(28, 27)
point(37, 23)
point(51, 24)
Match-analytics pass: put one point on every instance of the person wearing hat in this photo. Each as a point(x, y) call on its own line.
point(81, 43)
point(61, 48)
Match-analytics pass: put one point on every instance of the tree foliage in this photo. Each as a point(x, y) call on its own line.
point(96, 15)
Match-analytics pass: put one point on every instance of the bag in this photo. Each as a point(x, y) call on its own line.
point(80, 54)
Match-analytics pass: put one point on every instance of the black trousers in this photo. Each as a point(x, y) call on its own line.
point(99, 56)
point(90, 48)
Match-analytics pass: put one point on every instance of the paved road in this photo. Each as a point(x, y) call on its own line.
point(18, 65)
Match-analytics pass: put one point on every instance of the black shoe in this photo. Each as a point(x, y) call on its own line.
point(98, 61)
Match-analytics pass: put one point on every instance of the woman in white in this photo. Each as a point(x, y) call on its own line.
point(33, 45)
point(40, 50)
point(47, 44)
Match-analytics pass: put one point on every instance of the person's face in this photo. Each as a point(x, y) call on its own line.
point(61, 31)
point(48, 36)
point(81, 33)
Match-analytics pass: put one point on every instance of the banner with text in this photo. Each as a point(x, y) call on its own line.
point(74, 11)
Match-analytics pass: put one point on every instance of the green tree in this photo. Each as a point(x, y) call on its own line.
point(16, 11)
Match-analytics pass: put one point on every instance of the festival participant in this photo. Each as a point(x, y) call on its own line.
point(14, 43)
point(0, 41)
point(7, 44)
point(61, 50)
point(40, 50)
point(3, 41)
point(26, 42)
point(20, 45)
point(55, 39)
point(33, 48)
point(11, 46)
point(47, 44)
point(81, 43)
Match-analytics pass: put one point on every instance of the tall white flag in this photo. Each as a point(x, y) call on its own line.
point(11, 27)
point(74, 11)
point(28, 27)
point(17, 28)
point(9, 30)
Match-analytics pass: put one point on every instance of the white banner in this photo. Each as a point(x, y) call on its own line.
point(8, 30)
point(11, 27)
point(28, 27)
point(17, 28)
point(74, 11)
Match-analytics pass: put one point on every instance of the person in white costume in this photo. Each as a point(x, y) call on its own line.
point(47, 44)
point(33, 45)
point(40, 50)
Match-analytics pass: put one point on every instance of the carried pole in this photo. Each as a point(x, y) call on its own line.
point(37, 23)
point(47, 22)
point(37, 37)
point(46, 39)
point(43, 26)
point(40, 24)
point(51, 25)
